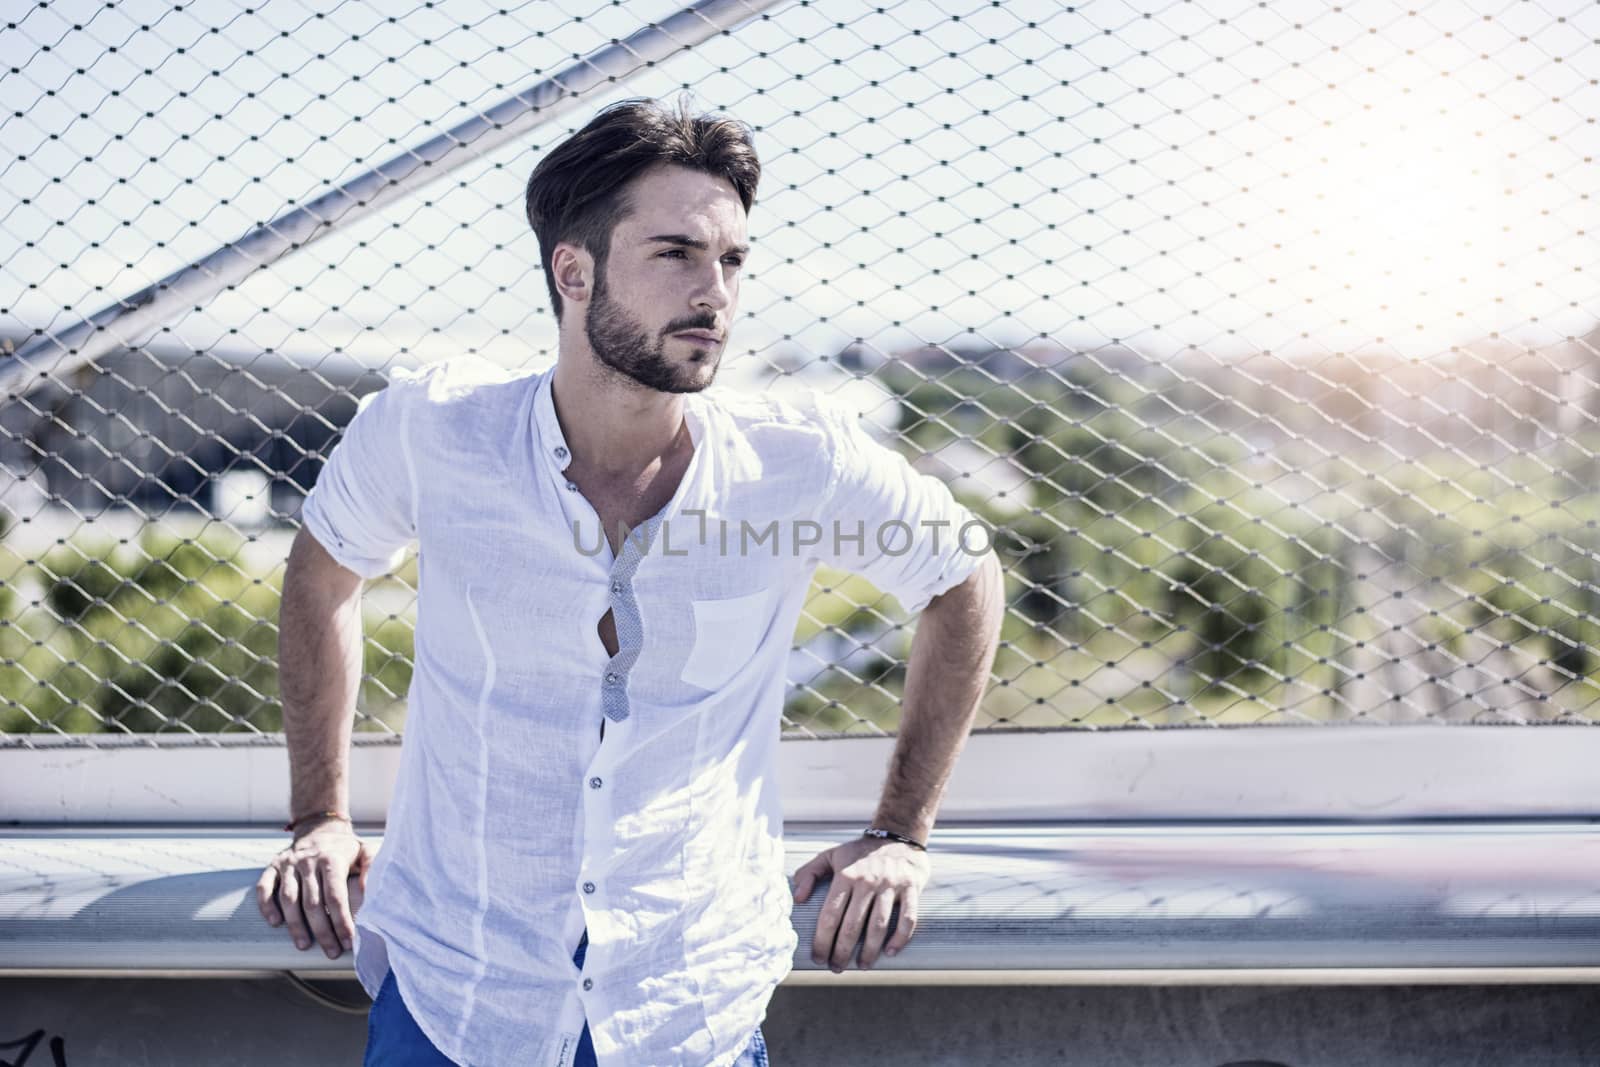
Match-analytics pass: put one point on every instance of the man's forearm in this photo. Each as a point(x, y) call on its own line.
point(949, 668)
point(319, 670)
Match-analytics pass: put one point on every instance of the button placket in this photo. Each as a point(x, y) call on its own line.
point(625, 613)
point(614, 702)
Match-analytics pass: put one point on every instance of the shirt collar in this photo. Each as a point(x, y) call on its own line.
point(552, 442)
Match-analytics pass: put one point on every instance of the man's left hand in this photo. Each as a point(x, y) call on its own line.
point(869, 877)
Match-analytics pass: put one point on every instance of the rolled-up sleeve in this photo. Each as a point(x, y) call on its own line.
point(902, 530)
point(362, 509)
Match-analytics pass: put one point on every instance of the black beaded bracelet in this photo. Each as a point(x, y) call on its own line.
point(890, 835)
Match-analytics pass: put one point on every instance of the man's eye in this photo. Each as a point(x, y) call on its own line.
point(734, 261)
point(675, 252)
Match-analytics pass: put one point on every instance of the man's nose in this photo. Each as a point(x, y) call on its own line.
point(714, 292)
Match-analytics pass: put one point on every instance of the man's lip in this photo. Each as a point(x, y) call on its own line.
point(700, 334)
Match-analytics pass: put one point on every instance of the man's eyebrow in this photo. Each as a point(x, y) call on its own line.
point(692, 242)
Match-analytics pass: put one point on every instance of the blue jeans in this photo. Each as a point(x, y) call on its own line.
point(395, 1040)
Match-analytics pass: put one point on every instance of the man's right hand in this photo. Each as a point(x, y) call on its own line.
point(307, 886)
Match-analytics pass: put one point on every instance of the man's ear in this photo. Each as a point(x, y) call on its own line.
point(573, 270)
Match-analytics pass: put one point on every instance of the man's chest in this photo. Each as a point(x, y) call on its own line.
point(622, 509)
point(624, 503)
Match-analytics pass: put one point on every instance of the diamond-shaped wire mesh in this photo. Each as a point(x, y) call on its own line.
point(1264, 334)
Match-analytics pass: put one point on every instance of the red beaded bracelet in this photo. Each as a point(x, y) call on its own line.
point(290, 825)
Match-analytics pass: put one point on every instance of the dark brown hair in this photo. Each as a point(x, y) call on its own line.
point(578, 192)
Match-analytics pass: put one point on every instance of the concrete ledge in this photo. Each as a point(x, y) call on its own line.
point(1036, 903)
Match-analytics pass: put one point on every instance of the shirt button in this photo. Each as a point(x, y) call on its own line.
point(572, 486)
point(594, 783)
point(588, 887)
point(561, 452)
point(616, 587)
point(611, 677)
point(588, 984)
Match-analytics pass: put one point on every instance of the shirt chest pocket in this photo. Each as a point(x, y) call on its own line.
point(727, 632)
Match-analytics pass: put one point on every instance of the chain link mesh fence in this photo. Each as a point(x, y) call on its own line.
point(1263, 333)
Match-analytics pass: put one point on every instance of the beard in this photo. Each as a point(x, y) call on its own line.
point(622, 343)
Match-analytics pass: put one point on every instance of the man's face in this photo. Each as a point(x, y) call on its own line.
point(663, 302)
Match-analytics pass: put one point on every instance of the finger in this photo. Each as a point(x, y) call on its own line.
point(266, 896)
point(833, 910)
point(289, 901)
point(336, 899)
point(356, 889)
point(313, 876)
point(877, 927)
point(907, 926)
point(805, 879)
point(855, 917)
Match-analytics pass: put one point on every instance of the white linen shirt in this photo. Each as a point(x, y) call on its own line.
point(514, 824)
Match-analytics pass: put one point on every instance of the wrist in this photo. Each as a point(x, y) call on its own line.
point(918, 829)
point(883, 834)
point(315, 820)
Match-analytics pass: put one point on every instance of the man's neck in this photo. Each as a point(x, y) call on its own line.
point(615, 427)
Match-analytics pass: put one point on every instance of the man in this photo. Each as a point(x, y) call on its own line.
point(583, 856)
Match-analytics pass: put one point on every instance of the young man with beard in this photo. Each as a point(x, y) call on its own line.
point(583, 857)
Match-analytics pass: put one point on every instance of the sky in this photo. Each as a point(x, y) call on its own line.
point(1293, 177)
